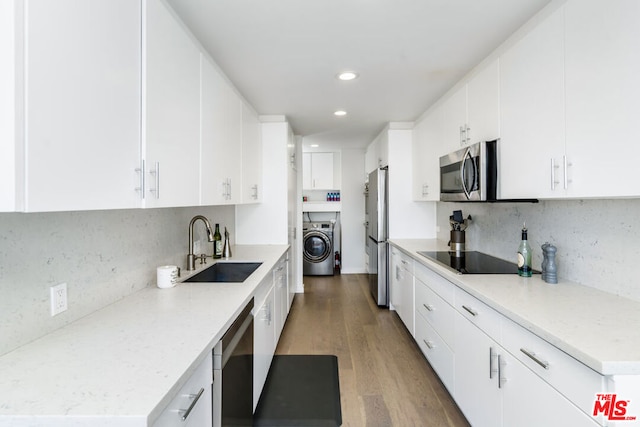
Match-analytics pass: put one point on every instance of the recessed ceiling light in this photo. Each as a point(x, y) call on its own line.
point(340, 113)
point(314, 146)
point(348, 75)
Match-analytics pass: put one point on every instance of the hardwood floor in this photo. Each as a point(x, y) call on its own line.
point(384, 378)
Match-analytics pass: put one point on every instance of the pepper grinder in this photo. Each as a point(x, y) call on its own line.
point(552, 269)
point(544, 260)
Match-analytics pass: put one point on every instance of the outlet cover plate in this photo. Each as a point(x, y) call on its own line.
point(58, 298)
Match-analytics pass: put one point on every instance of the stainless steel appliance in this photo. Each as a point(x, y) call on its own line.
point(470, 174)
point(472, 262)
point(233, 373)
point(377, 235)
point(317, 244)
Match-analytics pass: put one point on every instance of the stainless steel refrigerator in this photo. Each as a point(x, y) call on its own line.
point(377, 235)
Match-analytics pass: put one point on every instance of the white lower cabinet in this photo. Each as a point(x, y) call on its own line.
point(401, 288)
point(269, 316)
point(476, 388)
point(281, 295)
point(192, 404)
point(499, 373)
point(264, 336)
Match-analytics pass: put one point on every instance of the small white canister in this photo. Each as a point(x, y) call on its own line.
point(167, 276)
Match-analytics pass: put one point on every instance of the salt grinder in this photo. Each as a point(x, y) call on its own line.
point(549, 268)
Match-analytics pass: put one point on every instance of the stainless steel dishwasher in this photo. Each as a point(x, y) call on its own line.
point(233, 373)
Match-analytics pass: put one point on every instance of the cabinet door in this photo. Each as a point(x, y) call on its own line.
point(307, 183)
point(82, 124)
point(454, 120)
point(602, 97)
point(220, 139)
point(427, 149)
point(171, 110)
point(281, 296)
point(407, 311)
point(322, 170)
point(251, 157)
point(264, 339)
point(483, 104)
point(532, 113)
point(395, 276)
point(530, 401)
point(476, 375)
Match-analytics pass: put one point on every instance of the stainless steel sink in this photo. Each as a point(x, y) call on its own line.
point(235, 272)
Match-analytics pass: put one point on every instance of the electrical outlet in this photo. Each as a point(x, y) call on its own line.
point(58, 298)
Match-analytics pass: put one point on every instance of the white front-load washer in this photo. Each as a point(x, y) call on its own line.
point(317, 247)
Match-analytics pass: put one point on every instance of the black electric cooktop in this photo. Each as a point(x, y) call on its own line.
point(472, 262)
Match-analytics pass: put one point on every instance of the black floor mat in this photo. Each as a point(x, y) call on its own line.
point(301, 390)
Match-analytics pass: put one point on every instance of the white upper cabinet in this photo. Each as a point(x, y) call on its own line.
point(454, 120)
point(532, 113)
point(483, 104)
point(472, 113)
point(428, 146)
point(82, 104)
point(221, 139)
point(318, 171)
point(569, 100)
point(171, 110)
point(10, 188)
point(602, 69)
point(251, 157)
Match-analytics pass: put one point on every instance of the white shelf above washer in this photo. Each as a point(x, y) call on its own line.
point(321, 206)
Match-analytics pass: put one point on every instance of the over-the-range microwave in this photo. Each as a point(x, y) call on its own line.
point(470, 174)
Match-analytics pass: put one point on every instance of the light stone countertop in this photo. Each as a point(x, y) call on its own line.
point(121, 365)
point(599, 329)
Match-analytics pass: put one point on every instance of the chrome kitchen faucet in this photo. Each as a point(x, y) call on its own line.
point(191, 258)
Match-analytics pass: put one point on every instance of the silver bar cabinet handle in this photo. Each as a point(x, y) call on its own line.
point(492, 356)
point(428, 307)
point(185, 412)
point(140, 170)
point(470, 310)
point(533, 357)
point(429, 344)
point(156, 173)
point(501, 379)
point(553, 174)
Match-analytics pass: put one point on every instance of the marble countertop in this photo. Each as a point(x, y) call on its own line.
point(599, 329)
point(122, 365)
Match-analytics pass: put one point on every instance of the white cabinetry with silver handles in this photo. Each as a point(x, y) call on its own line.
point(192, 404)
point(264, 335)
point(75, 143)
point(505, 376)
point(171, 110)
point(401, 287)
point(270, 315)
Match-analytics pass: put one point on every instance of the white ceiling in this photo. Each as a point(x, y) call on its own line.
point(283, 55)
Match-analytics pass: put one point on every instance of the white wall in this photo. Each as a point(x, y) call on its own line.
point(598, 241)
point(103, 256)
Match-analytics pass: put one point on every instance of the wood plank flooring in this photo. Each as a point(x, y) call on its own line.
point(384, 378)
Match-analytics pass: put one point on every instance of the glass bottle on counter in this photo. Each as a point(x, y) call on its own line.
point(217, 243)
point(524, 255)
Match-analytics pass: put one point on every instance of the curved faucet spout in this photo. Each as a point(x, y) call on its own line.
point(191, 258)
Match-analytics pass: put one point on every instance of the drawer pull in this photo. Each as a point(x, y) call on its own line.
point(195, 397)
point(429, 344)
point(492, 356)
point(533, 357)
point(470, 310)
point(501, 378)
point(428, 307)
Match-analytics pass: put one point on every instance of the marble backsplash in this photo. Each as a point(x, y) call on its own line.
point(103, 256)
point(598, 241)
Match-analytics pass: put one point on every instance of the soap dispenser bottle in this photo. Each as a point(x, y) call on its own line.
point(524, 255)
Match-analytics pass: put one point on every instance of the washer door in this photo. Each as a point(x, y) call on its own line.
point(317, 246)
